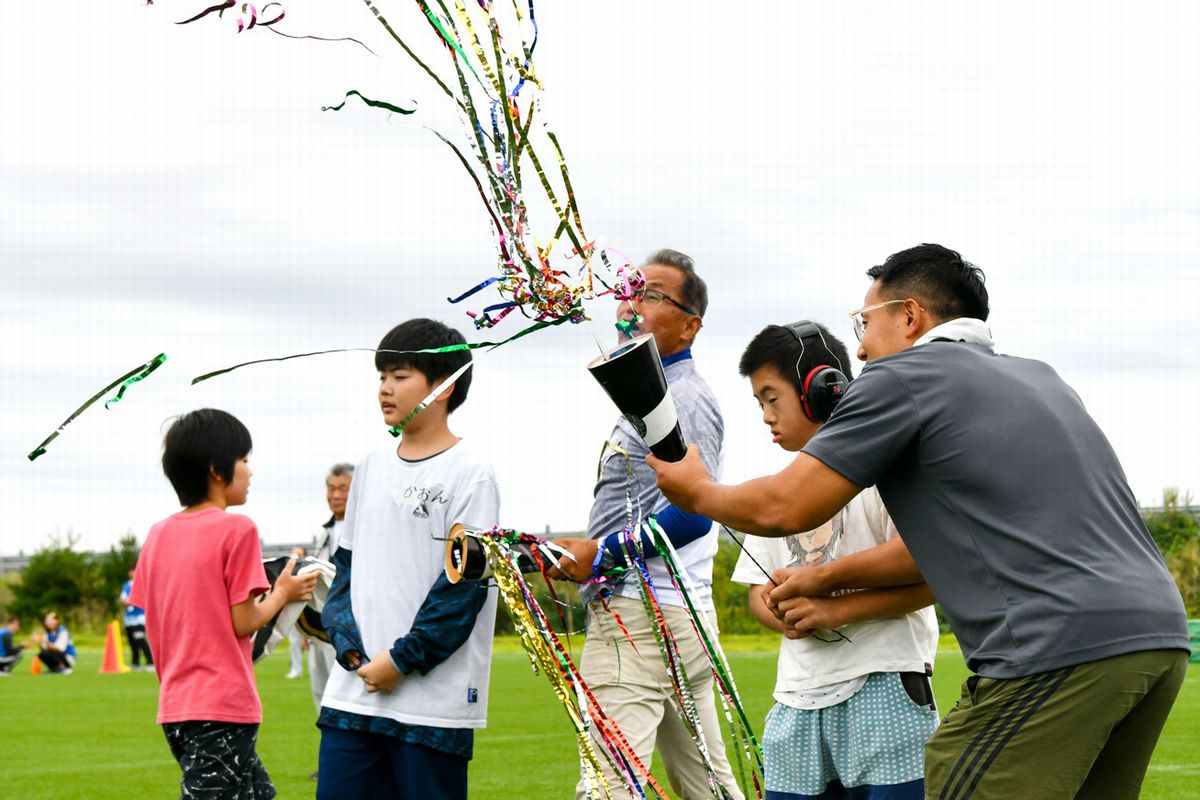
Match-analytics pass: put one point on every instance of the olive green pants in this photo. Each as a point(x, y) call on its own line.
point(1085, 732)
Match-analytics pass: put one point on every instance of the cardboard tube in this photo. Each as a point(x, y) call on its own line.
point(466, 559)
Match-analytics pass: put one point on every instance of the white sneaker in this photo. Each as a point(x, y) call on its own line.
point(292, 675)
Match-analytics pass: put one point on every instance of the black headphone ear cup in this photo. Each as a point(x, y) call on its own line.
point(823, 390)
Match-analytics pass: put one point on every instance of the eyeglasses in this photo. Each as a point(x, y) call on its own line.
point(653, 297)
point(860, 324)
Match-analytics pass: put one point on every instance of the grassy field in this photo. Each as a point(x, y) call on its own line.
point(94, 735)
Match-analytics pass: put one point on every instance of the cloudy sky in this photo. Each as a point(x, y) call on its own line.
point(178, 189)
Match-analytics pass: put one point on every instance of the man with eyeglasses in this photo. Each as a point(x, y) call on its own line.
point(632, 685)
point(1018, 514)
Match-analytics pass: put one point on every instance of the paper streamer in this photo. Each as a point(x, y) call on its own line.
point(512, 157)
point(548, 656)
point(740, 729)
point(124, 382)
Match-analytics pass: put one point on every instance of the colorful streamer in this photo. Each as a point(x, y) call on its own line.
point(496, 89)
point(429, 398)
point(548, 656)
point(740, 729)
point(124, 382)
point(447, 349)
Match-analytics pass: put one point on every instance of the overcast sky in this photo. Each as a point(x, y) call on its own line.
point(178, 188)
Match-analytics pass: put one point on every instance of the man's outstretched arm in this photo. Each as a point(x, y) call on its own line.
point(800, 616)
point(800, 497)
point(879, 567)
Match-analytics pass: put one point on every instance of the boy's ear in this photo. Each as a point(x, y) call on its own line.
point(443, 397)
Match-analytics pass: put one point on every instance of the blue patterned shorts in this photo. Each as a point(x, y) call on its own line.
point(872, 744)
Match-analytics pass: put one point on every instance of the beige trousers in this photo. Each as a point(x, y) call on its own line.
point(321, 658)
point(635, 691)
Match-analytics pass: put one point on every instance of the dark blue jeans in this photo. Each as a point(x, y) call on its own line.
point(371, 766)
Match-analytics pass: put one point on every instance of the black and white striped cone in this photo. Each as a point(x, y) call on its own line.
point(632, 375)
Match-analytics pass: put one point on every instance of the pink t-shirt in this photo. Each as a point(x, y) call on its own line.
point(192, 568)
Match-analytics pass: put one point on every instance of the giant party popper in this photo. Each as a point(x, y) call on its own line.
point(632, 375)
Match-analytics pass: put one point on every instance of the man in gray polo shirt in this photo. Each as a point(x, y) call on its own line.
point(633, 685)
point(1018, 514)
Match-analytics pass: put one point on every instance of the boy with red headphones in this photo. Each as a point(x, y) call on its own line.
point(854, 705)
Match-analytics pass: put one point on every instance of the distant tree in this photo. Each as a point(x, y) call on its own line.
point(7, 581)
point(58, 578)
point(1176, 531)
point(1173, 526)
point(1184, 564)
point(83, 588)
point(112, 570)
point(730, 599)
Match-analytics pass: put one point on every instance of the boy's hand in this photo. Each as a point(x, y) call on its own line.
point(764, 594)
point(354, 659)
point(803, 615)
point(792, 582)
point(295, 587)
point(380, 674)
point(579, 570)
point(682, 481)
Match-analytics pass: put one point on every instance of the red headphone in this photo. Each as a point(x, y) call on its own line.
point(823, 387)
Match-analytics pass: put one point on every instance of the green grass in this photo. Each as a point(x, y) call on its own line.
point(94, 735)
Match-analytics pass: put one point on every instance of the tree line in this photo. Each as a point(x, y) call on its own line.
point(83, 587)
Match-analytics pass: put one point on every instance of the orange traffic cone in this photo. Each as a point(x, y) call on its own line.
point(114, 653)
point(35, 666)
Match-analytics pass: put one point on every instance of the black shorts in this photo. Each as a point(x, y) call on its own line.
point(218, 761)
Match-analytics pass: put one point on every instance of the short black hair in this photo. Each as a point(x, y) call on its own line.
point(199, 440)
point(395, 352)
point(693, 289)
point(949, 286)
point(777, 346)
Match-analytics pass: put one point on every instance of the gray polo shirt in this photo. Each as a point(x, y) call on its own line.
point(701, 423)
point(1013, 505)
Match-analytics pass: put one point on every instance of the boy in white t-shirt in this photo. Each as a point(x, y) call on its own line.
point(854, 705)
point(398, 719)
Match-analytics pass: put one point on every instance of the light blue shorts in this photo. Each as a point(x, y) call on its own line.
point(869, 746)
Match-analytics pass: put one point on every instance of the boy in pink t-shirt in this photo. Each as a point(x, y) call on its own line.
point(199, 578)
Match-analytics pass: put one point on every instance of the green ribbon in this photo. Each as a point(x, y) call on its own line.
point(451, 41)
point(437, 390)
point(152, 365)
point(370, 102)
point(720, 666)
point(537, 326)
point(125, 381)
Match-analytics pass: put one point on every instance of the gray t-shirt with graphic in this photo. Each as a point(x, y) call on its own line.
point(1013, 505)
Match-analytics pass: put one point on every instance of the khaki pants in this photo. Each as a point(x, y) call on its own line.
point(321, 658)
point(635, 691)
point(1085, 732)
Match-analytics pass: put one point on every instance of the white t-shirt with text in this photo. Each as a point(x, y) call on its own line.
point(397, 518)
